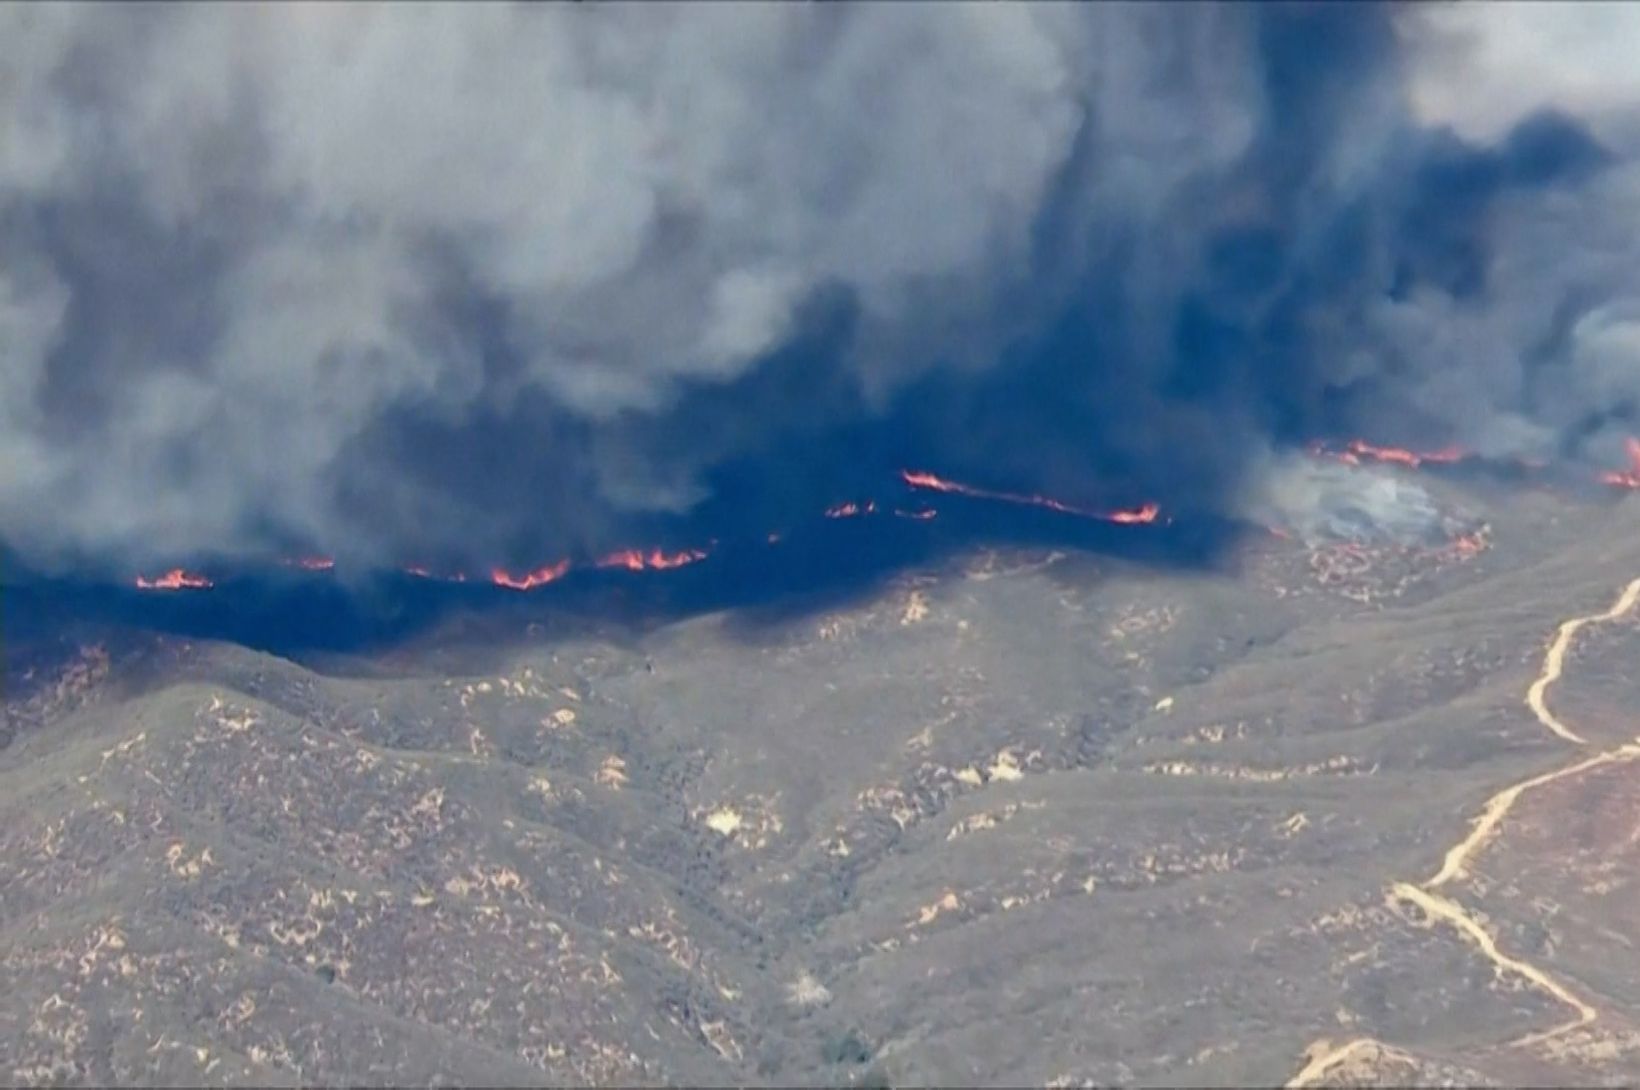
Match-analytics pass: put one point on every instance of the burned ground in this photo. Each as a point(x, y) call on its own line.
point(1015, 815)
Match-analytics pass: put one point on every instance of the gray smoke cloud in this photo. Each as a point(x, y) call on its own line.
point(395, 281)
point(1322, 502)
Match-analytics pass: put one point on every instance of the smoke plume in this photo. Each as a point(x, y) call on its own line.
point(481, 283)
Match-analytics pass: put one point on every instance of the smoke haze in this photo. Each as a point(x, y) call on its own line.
point(483, 284)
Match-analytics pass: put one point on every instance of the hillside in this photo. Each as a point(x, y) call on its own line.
point(1020, 816)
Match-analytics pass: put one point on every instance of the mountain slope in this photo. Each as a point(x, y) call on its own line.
point(1019, 817)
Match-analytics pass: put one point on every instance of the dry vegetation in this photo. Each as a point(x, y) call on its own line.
point(1025, 818)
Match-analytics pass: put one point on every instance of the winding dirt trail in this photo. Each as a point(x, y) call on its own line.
point(1323, 1057)
point(1555, 660)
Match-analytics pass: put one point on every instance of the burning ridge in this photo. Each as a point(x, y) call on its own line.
point(1355, 452)
point(656, 559)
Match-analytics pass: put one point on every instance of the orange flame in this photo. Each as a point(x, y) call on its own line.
point(917, 478)
point(1145, 512)
point(630, 559)
point(1468, 545)
point(1626, 478)
point(665, 561)
point(1358, 450)
point(660, 560)
point(655, 559)
point(540, 577)
point(175, 579)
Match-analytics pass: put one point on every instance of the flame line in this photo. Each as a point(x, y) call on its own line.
point(175, 579)
point(1355, 451)
point(660, 560)
point(917, 478)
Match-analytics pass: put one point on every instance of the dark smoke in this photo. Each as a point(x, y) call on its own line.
point(425, 284)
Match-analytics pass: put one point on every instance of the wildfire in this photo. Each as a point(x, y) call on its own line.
point(630, 559)
point(1470, 544)
point(638, 560)
point(655, 559)
point(1358, 450)
point(1355, 452)
point(540, 577)
point(175, 579)
point(1144, 513)
point(916, 478)
point(1626, 478)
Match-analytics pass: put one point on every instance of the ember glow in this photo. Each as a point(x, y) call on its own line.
point(1144, 513)
point(309, 563)
point(1630, 477)
point(851, 510)
point(175, 579)
point(1357, 451)
point(653, 560)
point(630, 559)
point(1470, 544)
point(921, 514)
point(540, 577)
point(915, 478)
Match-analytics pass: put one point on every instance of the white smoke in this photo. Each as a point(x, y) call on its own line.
point(236, 239)
point(1481, 69)
point(1563, 275)
point(651, 195)
point(1320, 502)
